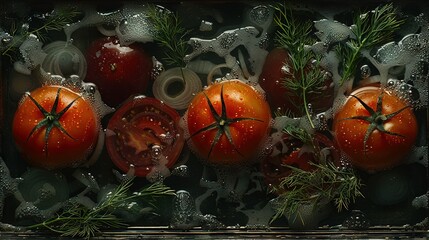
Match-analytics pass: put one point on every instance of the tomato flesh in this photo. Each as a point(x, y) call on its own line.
point(141, 132)
point(80, 121)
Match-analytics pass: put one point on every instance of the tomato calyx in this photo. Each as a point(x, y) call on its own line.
point(221, 123)
point(376, 119)
point(51, 119)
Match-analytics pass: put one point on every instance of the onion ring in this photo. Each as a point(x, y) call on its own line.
point(168, 82)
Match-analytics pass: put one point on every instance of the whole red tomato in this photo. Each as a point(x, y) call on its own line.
point(55, 127)
point(118, 71)
point(228, 123)
point(290, 151)
point(144, 133)
point(375, 128)
point(277, 69)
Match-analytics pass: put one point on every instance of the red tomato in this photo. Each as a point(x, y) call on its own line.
point(61, 132)
point(377, 133)
point(143, 133)
point(276, 68)
point(228, 123)
point(118, 71)
point(289, 151)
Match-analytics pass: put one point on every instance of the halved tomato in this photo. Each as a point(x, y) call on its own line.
point(144, 133)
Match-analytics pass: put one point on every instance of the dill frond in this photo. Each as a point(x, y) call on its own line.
point(170, 35)
point(371, 29)
point(295, 36)
point(326, 182)
point(55, 21)
point(78, 221)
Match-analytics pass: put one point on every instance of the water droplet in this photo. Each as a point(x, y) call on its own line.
point(123, 26)
point(181, 171)
point(156, 151)
point(260, 14)
point(227, 40)
point(25, 27)
point(365, 71)
point(6, 39)
point(391, 83)
point(356, 221)
point(183, 212)
point(206, 26)
point(310, 109)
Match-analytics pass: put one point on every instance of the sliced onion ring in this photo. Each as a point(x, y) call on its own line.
point(212, 72)
point(106, 32)
point(165, 88)
point(64, 59)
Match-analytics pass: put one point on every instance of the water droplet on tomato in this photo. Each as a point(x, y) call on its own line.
point(156, 151)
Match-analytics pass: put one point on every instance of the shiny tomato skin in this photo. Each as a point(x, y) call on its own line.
point(80, 121)
point(271, 80)
point(118, 71)
point(241, 101)
point(144, 133)
point(277, 67)
point(383, 151)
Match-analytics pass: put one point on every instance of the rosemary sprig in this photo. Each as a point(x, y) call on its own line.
point(55, 21)
point(169, 34)
point(78, 221)
point(370, 29)
point(295, 35)
point(326, 182)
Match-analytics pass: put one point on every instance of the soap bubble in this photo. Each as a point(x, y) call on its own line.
point(356, 221)
point(365, 71)
point(183, 212)
point(260, 14)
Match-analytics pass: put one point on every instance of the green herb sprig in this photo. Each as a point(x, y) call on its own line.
point(55, 21)
point(370, 29)
point(169, 34)
point(326, 182)
point(78, 221)
point(295, 35)
point(298, 133)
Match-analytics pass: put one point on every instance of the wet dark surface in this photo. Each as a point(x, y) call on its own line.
point(220, 203)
